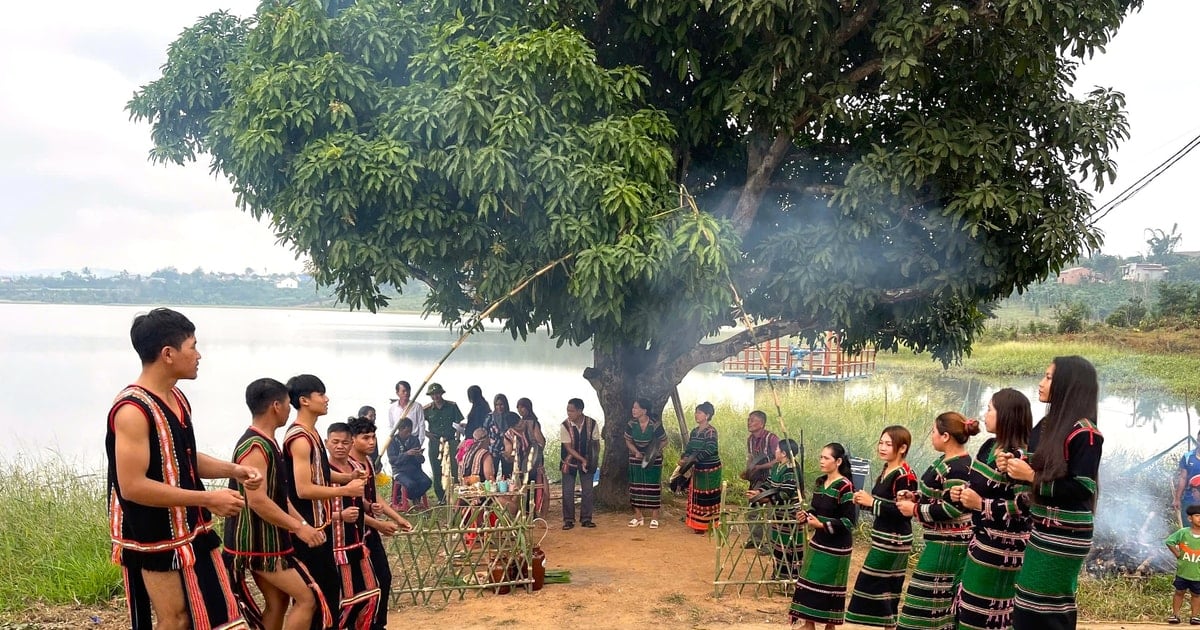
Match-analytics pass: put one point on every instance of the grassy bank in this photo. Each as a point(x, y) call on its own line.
point(54, 544)
point(1129, 361)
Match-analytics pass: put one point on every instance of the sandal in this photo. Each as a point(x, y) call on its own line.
point(1195, 621)
point(653, 524)
point(635, 522)
point(1173, 620)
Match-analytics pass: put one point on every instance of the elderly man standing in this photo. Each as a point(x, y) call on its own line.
point(761, 445)
point(445, 421)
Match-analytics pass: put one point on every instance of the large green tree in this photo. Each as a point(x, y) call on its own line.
point(880, 168)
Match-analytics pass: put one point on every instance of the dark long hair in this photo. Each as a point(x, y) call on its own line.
point(475, 396)
point(528, 404)
point(1074, 395)
point(839, 452)
point(1014, 419)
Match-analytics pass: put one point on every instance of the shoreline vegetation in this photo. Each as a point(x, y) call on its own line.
point(54, 548)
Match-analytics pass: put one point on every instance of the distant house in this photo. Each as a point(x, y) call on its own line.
point(288, 283)
point(1144, 272)
point(1077, 275)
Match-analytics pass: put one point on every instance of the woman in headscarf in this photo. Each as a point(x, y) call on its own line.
point(497, 424)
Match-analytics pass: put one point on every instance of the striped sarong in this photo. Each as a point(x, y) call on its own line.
point(929, 601)
point(645, 486)
point(876, 597)
point(1049, 578)
point(704, 496)
point(985, 590)
point(821, 590)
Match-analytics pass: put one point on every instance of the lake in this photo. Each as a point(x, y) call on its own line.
point(68, 362)
point(64, 363)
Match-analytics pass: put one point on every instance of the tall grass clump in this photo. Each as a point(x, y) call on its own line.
point(54, 542)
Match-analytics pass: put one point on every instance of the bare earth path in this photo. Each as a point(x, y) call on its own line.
point(624, 578)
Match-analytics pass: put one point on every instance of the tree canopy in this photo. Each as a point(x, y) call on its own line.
point(885, 169)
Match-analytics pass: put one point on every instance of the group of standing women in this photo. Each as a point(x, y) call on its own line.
point(1006, 532)
point(644, 439)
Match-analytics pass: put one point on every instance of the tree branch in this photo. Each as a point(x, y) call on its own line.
point(711, 352)
point(856, 22)
point(863, 71)
point(761, 166)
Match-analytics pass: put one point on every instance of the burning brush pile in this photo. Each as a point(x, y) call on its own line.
point(1138, 552)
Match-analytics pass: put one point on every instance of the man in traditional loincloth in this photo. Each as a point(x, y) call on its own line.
point(160, 514)
point(257, 540)
point(309, 478)
point(360, 591)
point(363, 432)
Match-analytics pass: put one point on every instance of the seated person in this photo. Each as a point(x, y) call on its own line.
point(478, 460)
point(406, 455)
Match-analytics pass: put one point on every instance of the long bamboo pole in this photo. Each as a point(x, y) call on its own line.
point(469, 330)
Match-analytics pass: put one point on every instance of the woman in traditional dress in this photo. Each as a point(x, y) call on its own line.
point(497, 424)
point(876, 597)
point(821, 590)
point(929, 601)
point(704, 492)
point(985, 591)
point(535, 443)
point(781, 489)
point(1063, 472)
point(644, 438)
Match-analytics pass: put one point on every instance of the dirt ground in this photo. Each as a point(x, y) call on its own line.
point(621, 577)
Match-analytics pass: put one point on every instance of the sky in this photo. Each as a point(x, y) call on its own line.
point(78, 190)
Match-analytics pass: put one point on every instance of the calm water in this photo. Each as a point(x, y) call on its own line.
point(62, 365)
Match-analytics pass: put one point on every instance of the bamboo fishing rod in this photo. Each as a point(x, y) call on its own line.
point(469, 330)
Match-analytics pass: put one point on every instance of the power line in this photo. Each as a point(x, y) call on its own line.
point(1143, 181)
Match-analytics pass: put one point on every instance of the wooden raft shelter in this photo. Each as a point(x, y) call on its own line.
point(788, 359)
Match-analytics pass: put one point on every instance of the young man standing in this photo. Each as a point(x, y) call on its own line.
point(404, 407)
point(159, 511)
point(579, 444)
point(363, 444)
point(444, 420)
point(360, 591)
point(309, 478)
point(257, 539)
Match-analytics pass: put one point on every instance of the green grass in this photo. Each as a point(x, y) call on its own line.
point(1121, 369)
point(54, 543)
point(825, 413)
point(1126, 599)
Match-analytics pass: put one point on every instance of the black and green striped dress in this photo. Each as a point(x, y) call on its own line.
point(985, 591)
point(928, 602)
point(821, 590)
point(876, 597)
point(1062, 514)
point(645, 484)
point(704, 492)
point(786, 535)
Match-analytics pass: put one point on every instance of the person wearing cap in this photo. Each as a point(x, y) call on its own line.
point(444, 420)
point(1185, 544)
point(1185, 492)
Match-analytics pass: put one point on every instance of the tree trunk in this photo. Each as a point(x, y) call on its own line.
point(624, 373)
point(619, 377)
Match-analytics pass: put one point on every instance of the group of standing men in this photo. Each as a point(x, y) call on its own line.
point(302, 520)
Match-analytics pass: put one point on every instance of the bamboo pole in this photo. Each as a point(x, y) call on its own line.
point(469, 330)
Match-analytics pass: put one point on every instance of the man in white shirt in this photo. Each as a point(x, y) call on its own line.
point(404, 407)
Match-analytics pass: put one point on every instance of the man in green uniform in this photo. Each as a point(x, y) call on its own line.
point(444, 422)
